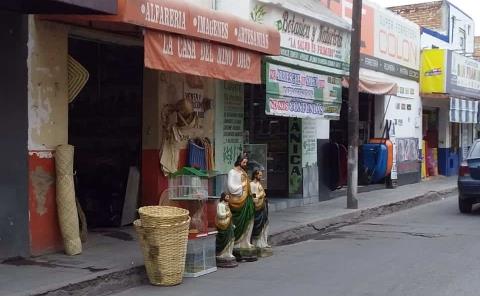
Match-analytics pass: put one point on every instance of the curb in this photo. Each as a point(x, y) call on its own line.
point(105, 284)
point(314, 228)
point(121, 280)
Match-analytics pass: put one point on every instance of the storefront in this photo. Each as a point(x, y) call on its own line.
point(131, 92)
point(14, 190)
point(450, 90)
point(389, 85)
point(301, 93)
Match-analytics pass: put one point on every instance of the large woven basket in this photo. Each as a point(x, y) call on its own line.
point(164, 250)
point(153, 216)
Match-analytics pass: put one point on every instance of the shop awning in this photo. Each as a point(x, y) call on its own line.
point(374, 87)
point(186, 38)
point(463, 111)
point(61, 6)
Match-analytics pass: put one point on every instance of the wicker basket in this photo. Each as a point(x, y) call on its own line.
point(153, 216)
point(164, 250)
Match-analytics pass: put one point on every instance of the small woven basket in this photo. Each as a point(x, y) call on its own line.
point(153, 216)
point(164, 250)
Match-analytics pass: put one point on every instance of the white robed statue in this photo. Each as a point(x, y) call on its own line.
point(243, 210)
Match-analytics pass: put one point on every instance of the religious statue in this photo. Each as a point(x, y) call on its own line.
point(260, 225)
point(226, 236)
point(243, 210)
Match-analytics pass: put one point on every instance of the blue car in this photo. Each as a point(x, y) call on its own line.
point(469, 180)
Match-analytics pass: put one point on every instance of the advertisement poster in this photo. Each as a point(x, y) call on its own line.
point(228, 125)
point(302, 94)
point(307, 39)
point(390, 43)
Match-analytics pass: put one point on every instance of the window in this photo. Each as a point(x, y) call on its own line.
point(475, 151)
point(463, 42)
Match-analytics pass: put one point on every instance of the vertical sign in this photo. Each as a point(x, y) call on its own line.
point(295, 178)
point(309, 142)
point(228, 124)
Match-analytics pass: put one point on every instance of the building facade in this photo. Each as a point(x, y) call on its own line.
point(448, 83)
point(131, 91)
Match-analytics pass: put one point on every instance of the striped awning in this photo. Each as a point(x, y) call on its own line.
point(463, 111)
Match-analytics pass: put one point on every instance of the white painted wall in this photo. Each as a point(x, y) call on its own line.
point(204, 3)
point(47, 85)
point(454, 21)
point(240, 8)
point(408, 122)
point(428, 41)
point(462, 22)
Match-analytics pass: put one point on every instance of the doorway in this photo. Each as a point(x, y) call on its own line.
point(105, 126)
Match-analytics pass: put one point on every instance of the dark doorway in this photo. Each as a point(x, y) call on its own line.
point(105, 126)
point(270, 130)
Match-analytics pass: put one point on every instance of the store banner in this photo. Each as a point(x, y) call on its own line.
point(307, 39)
point(447, 72)
point(301, 94)
point(177, 53)
point(463, 111)
point(433, 71)
point(463, 77)
point(390, 43)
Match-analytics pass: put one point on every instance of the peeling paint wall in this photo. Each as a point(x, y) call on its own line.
point(47, 127)
point(47, 85)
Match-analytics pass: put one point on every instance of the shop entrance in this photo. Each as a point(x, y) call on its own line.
point(105, 126)
point(335, 153)
point(270, 130)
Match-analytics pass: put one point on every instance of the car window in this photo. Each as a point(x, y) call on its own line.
point(475, 151)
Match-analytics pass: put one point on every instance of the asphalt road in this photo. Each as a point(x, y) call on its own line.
point(428, 250)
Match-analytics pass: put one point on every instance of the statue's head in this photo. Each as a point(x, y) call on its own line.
point(224, 197)
point(242, 161)
point(257, 175)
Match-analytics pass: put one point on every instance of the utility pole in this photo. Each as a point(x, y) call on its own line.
point(352, 201)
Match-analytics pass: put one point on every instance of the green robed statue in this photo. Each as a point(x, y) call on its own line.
point(226, 236)
point(243, 210)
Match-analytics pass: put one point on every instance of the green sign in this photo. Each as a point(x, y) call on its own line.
point(302, 94)
point(295, 175)
point(228, 124)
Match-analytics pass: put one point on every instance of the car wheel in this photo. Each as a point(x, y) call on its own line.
point(464, 205)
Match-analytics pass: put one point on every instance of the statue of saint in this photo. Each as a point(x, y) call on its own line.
point(243, 210)
point(226, 236)
point(260, 225)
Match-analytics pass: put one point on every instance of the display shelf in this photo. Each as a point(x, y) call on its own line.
point(200, 258)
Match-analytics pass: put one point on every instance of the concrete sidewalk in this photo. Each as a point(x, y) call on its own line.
point(111, 260)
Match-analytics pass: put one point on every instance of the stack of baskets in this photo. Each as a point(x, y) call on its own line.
point(163, 236)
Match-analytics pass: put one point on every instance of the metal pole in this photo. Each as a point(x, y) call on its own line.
point(352, 202)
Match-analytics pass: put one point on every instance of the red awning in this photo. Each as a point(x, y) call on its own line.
point(186, 38)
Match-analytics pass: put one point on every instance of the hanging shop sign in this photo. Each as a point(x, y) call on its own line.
point(186, 38)
point(433, 71)
point(307, 39)
point(177, 53)
point(447, 72)
point(463, 78)
point(390, 43)
point(180, 17)
point(301, 94)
